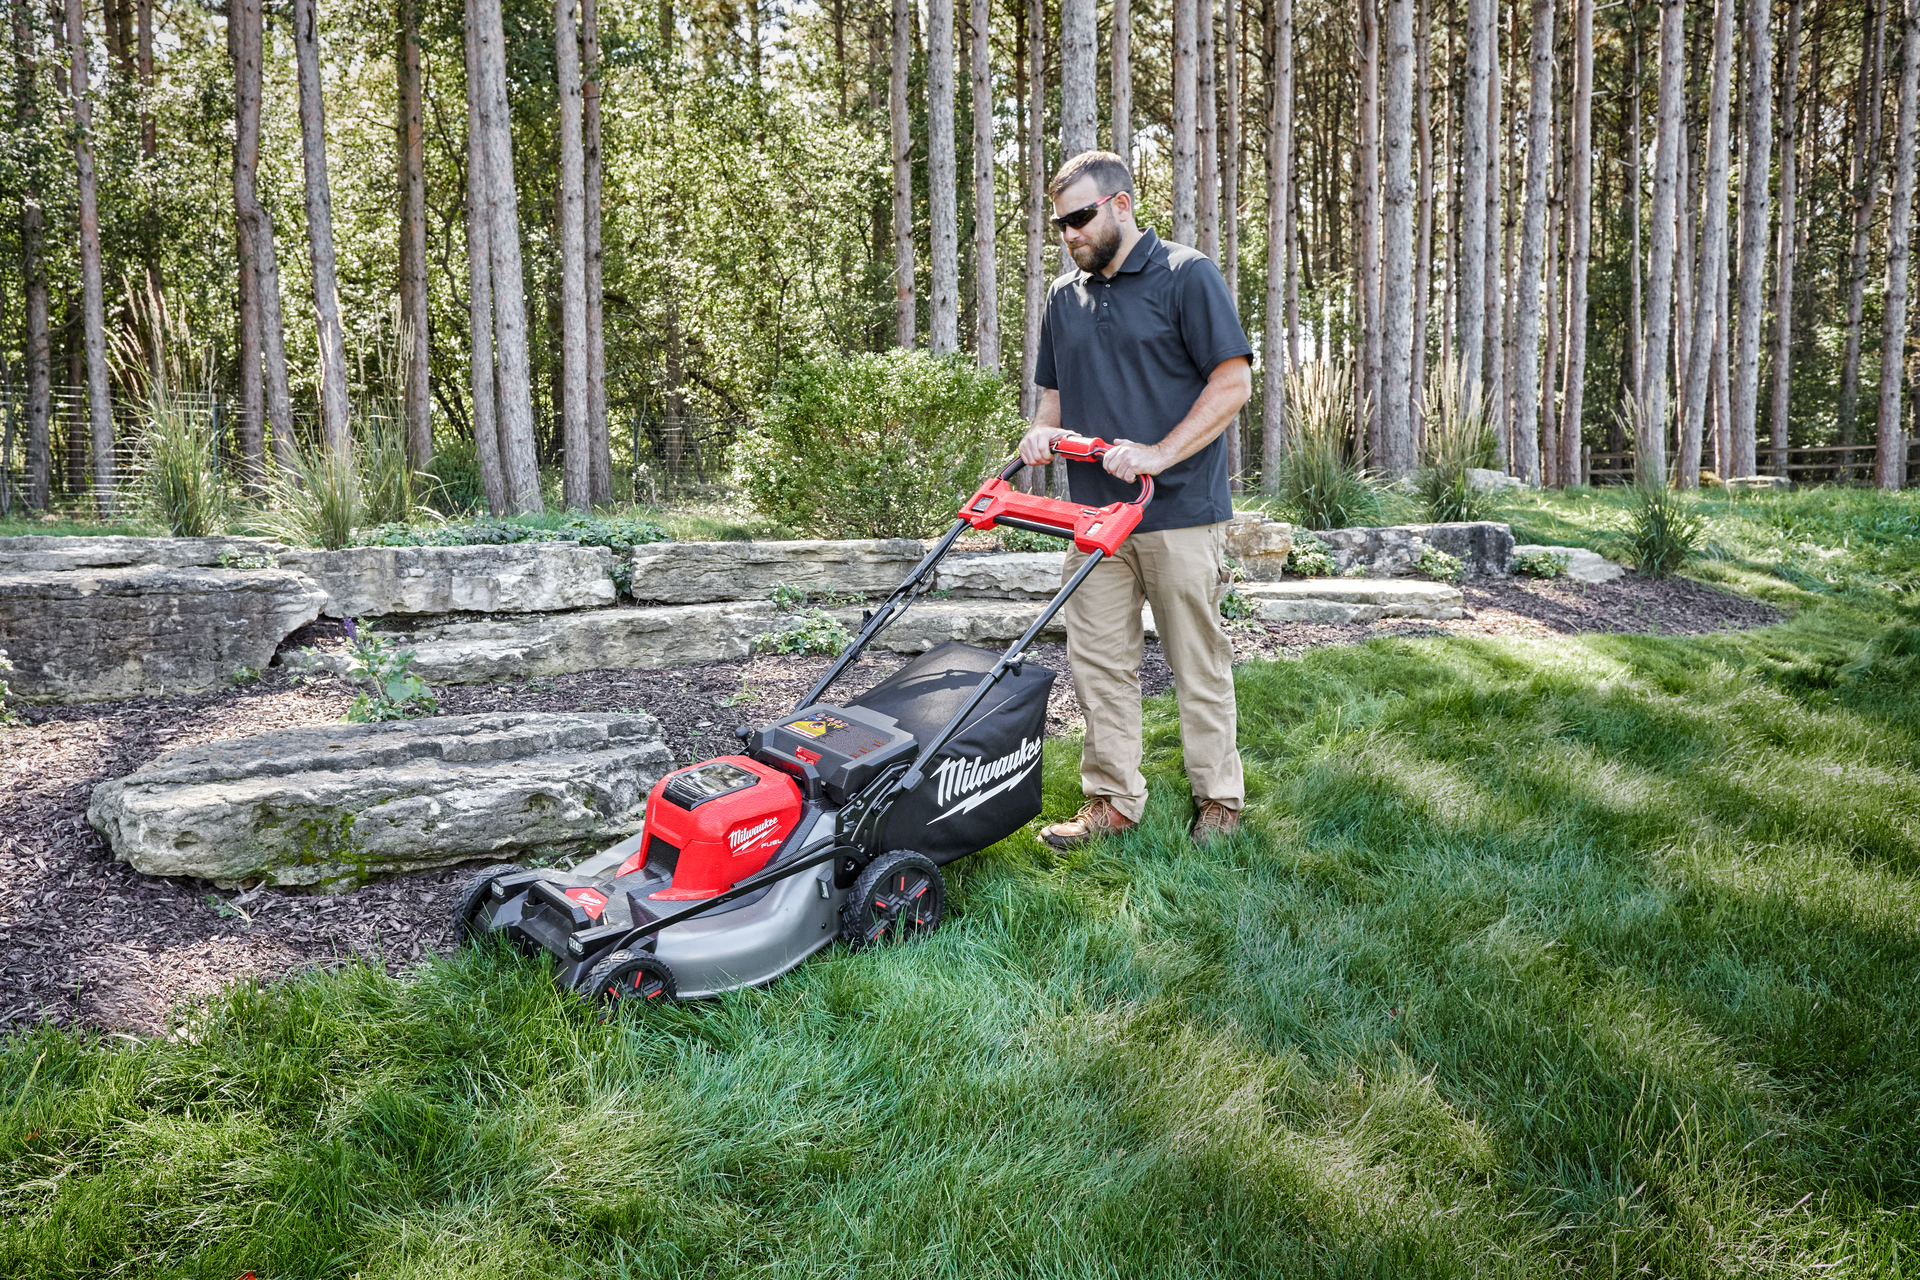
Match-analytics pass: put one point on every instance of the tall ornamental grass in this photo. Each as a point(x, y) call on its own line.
point(1322, 482)
point(1459, 438)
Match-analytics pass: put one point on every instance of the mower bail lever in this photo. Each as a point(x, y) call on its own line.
point(997, 503)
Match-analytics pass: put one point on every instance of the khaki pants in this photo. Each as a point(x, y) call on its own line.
point(1182, 573)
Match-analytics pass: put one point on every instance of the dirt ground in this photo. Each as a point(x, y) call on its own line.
point(85, 939)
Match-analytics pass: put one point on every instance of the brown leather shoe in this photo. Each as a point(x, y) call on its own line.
point(1097, 817)
point(1214, 822)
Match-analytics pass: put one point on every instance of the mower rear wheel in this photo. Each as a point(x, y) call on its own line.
point(473, 897)
point(901, 895)
point(631, 978)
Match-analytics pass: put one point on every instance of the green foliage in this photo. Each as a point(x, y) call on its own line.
point(1458, 438)
point(1542, 564)
point(814, 631)
point(1026, 540)
point(621, 533)
point(7, 717)
point(1310, 558)
point(456, 488)
point(314, 503)
point(395, 692)
point(387, 479)
point(1322, 483)
point(788, 598)
point(879, 445)
point(1435, 563)
point(1661, 531)
point(178, 468)
point(1236, 606)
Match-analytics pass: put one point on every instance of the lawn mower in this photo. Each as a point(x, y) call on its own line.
point(831, 822)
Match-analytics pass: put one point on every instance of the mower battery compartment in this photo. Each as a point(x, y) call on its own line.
point(834, 751)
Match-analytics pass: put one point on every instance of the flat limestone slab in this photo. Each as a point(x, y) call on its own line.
point(330, 806)
point(1004, 575)
point(515, 577)
point(95, 634)
point(37, 553)
point(1483, 547)
point(706, 572)
point(1582, 565)
point(1354, 599)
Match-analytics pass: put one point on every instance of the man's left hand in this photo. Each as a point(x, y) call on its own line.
point(1130, 461)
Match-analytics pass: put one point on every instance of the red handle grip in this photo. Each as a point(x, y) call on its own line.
point(1091, 528)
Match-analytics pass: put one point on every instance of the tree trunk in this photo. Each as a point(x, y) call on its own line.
point(1784, 249)
point(1713, 250)
point(1636, 349)
point(1186, 142)
point(1580, 219)
point(334, 416)
point(1526, 363)
point(1273, 361)
point(1367, 257)
point(901, 112)
point(1423, 235)
point(1865, 180)
point(1472, 267)
point(598, 440)
point(1035, 278)
point(1494, 344)
point(1650, 437)
point(518, 460)
point(33, 267)
point(1755, 211)
point(1396, 256)
point(1122, 95)
point(92, 289)
point(986, 291)
point(143, 62)
point(1206, 230)
point(1079, 61)
point(486, 428)
point(413, 244)
point(943, 300)
point(249, 430)
point(1230, 216)
point(1889, 470)
point(576, 442)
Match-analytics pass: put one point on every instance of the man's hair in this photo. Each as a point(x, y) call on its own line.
point(1108, 171)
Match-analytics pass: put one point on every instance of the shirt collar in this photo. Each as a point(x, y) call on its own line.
point(1144, 250)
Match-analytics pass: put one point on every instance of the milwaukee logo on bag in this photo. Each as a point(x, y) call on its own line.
point(963, 779)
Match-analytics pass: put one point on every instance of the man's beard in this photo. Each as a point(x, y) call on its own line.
point(1098, 251)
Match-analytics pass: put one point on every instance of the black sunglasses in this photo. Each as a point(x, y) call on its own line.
point(1077, 218)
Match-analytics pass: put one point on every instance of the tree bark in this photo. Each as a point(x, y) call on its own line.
point(900, 111)
point(1186, 141)
point(1206, 231)
point(1865, 182)
point(1273, 354)
point(1889, 470)
point(1580, 216)
point(1784, 251)
point(1122, 95)
point(33, 267)
point(1472, 267)
point(1526, 363)
point(249, 429)
point(1755, 210)
point(258, 226)
point(576, 472)
point(518, 460)
point(1423, 235)
point(1395, 388)
point(943, 299)
point(92, 288)
point(1367, 257)
point(986, 291)
point(1079, 60)
point(413, 244)
point(1635, 311)
point(334, 414)
point(598, 440)
point(1035, 279)
point(1713, 250)
point(1650, 437)
point(1494, 329)
point(1230, 215)
point(486, 422)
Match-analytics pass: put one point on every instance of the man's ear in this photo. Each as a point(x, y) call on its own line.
point(1123, 205)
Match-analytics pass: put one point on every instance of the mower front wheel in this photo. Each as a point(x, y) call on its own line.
point(901, 895)
point(631, 978)
point(473, 897)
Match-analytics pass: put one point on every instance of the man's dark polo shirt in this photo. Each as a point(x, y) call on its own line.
point(1129, 356)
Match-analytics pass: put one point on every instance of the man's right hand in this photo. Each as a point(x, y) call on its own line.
point(1036, 447)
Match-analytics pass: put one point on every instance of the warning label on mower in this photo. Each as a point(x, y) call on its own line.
point(966, 784)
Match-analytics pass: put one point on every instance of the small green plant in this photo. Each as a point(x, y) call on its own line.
point(1435, 563)
point(1322, 482)
point(397, 694)
point(786, 598)
point(1662, 531)
point(1235, 606)
point(814, 632)
point(1458, 440)
point(1310, 557)
point(243, 676)
point(1026, 540)
point(7, 717)
point(1542, 564)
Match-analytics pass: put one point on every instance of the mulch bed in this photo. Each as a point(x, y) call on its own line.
point(86, 940)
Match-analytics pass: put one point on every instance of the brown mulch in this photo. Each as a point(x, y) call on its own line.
point(86, 940)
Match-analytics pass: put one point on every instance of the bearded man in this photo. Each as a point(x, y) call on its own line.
point(1141, 345)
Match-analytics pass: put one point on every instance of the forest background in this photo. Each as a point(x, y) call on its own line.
point(1672, 235)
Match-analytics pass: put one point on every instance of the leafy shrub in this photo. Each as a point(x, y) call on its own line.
point(1321, 481)
point(816, 632)
point(1237, 607)
point(6, 714)
point(880, 445)
point(1542, 564)
point(1310, 558)
point(1662, 530)
point(397, 694)
point(1458, 439)
point(455, 487)
point(1435, 563)
point(617, 533)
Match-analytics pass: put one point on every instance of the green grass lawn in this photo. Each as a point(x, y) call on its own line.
point(1588, 957)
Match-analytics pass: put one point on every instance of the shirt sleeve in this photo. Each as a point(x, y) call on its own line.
point(1208, 324)
point(1043, 372)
